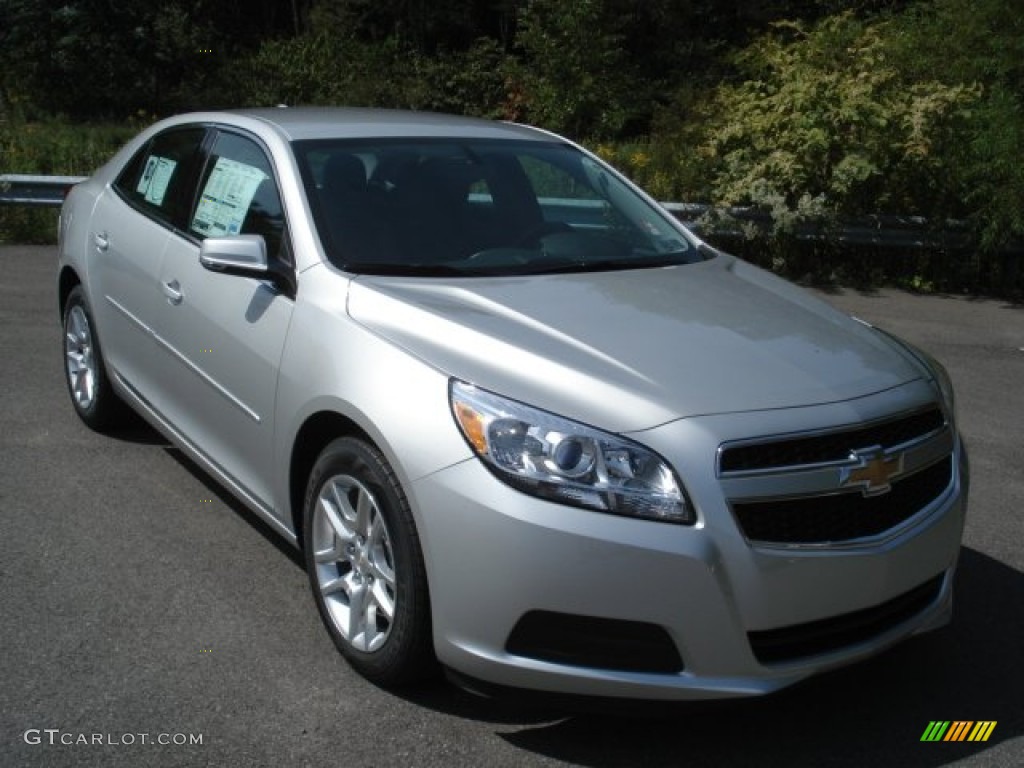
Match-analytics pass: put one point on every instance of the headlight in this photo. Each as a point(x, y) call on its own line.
point(567, 462)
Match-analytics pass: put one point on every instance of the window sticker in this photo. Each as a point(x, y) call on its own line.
point(156, 178)
point(226, 198)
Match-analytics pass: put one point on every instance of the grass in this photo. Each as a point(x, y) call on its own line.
point(52, 149)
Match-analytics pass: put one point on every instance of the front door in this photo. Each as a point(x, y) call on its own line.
point(225, 334)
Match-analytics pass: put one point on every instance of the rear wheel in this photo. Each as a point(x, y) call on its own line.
point(365, 564)
point(93, 398)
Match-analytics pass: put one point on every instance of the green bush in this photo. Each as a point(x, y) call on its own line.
point(857, 114)
point(822, 121)
point(977, 41)
point(57, 149)
point(574, 73)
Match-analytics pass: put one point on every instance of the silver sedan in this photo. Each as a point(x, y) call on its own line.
point(522, 424)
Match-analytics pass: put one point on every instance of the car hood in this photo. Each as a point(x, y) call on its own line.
point(629, 350)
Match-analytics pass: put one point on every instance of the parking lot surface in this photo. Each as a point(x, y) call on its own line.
point(148, 619)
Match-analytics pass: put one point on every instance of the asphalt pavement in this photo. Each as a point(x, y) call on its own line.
point(147, 619)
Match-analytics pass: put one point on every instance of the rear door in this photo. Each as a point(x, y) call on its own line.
point(131, 227)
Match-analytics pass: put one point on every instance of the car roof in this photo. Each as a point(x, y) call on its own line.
point(297, 123)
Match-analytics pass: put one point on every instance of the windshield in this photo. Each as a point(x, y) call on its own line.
point(476, 207)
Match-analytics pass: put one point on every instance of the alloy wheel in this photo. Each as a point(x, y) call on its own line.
point(354, 562)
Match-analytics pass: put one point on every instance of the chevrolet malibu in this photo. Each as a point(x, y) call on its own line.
point(521, 423)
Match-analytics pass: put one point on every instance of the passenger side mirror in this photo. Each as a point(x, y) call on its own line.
point(238, 255)
point(246, 256)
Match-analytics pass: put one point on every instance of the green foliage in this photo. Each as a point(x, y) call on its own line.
point(472, 82)
point(88, 57)
point(61, 148)
point(987, 48)
point(995, 177)
point(574, 73)
point(106, 59)
point(28, 225)
point(823, 121)
point(651, 165)
point(324, 69)
point(57, 149)
point(425, 28)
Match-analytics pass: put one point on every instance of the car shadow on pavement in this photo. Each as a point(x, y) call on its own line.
point(136, 429)
point(225, 497)
point(132, 428)
point(871, 714)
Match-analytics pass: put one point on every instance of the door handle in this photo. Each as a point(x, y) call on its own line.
point(172, 291)
point(101, 240)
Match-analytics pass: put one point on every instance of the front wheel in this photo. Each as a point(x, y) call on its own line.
point(365, 564)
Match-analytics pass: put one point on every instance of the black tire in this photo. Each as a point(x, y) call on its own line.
point(85, 372)
point(350, 583)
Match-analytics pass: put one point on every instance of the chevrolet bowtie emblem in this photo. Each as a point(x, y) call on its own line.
point(873, 472)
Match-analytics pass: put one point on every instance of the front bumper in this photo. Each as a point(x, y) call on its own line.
point(495, 556)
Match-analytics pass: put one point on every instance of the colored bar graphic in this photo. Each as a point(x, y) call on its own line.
point(982, 730)
point(958, 730)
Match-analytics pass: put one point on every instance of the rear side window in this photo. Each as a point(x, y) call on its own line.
point(159, 179)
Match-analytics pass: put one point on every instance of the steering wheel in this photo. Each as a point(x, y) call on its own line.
point(536, 233)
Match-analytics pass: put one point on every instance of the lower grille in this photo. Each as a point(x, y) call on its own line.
point(838, 632)
point(587, 641)
point(842, 517)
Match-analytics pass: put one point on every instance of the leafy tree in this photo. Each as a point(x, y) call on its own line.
point(424, 27)
point(987, 49)
point(90, 59)
point(823, 121)
point(575, 75)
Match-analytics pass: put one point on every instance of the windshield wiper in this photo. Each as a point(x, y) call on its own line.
point(538, 267)
point(405, 270)
point(608, 265)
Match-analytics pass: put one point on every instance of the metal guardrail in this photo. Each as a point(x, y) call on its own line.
point(35, 190)
point(880, 231)
point(876, 230)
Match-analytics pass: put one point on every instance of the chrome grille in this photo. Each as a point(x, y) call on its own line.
point(831, 446)
point(841, 487)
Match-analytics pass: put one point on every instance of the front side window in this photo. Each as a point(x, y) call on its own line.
point(480, 207)
point(158, 180)
point(238, 194)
